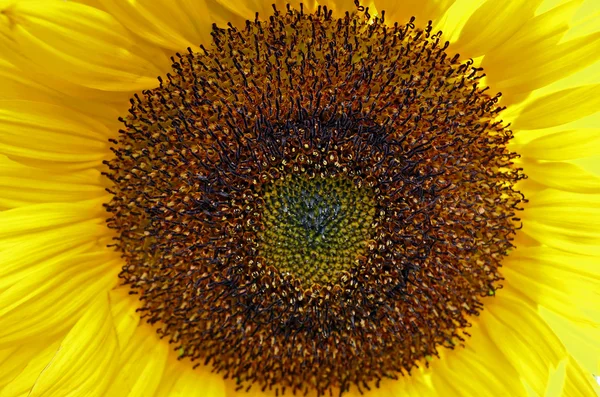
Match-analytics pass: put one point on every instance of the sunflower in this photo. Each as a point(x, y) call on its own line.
point(316, 199)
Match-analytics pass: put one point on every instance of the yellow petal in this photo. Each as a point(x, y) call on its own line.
point(482, 362)
point(50, 300)
point(77, 43)
point(557, 380)
point(15, 359)
point(39, 217)
point(559, 108)
point(246, 10)
point(164, 23)
point(578, 383)
point(20, 386)
point(582, 340)
point(23, 185)
point(17, 86)
point(560, 281)
point(546, 60)
point(562, 176)
point(48, 132)
point(20, 257)
point(199, 383)
point(564, 220)
point(87, 358)
point(526, 340)
point(27, 85)
point(141, 365)
point(123, 308)
point(564, 145)
point(492, 24)
point(423, 11)
point(339, 6)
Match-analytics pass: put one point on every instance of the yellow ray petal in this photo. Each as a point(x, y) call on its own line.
point(582, 340)
point(559, 281)
point(564, 145)
point(527, 342)
point(170, 25)
point(20, 386)
point(141, 365)
point(80, 44)
point(578, 383)
point(414, 385)
point(559, 108)
point(87, 358)
point(11, 363)
point(492, 24)
point(511, 72)
point(246, 10)
point(23, 185)
point(562, 176)
point(39, 217)
point(564, 220)
point(50, 300)
point(17, 86)
point(340, 6)
point(48, 132)
point(423, 11)
point(455, 18)
point(198, 383)
point(47, 249)
point(474, 362)
point(15, 359)
point(123, 308)
point(102, 106)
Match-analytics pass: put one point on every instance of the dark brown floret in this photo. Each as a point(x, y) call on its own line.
point(314, 203)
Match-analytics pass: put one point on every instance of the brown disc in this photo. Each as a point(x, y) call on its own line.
point(314, 203)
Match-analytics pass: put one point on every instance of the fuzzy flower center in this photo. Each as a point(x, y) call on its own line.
point(314, 203)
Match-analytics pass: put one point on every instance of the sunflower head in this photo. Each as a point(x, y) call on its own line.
point(314, 202)
point(318, 201)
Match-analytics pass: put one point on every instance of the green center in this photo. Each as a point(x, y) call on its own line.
point(316, 228)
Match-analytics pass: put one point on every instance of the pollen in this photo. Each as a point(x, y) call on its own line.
point(313, 204)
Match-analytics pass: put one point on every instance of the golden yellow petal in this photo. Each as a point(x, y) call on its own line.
point(49, 300)
point(126, 319)
point(246, 9)
point(581, 339)
point(525, 339)
point(87, 359)
point(173, 25)
point(199, 383)
point(80, 44)
point(423, 11)
point(562, 176)
point(564, 220)
point(20, 258)
point(492, 24)
point(562, 282)
point(23, 185)
point(578, 382)
point(472, 361)
point(533, 57)
point(47, 216)
point(14, 360)
point(54, 133)
point(559, 108)
point(17, 86)
point(21, 384)
point(103, 106)
point(141, 365)
point(564, 145)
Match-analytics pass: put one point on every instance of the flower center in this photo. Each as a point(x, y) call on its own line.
point(314, 203)
point(315, 228)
